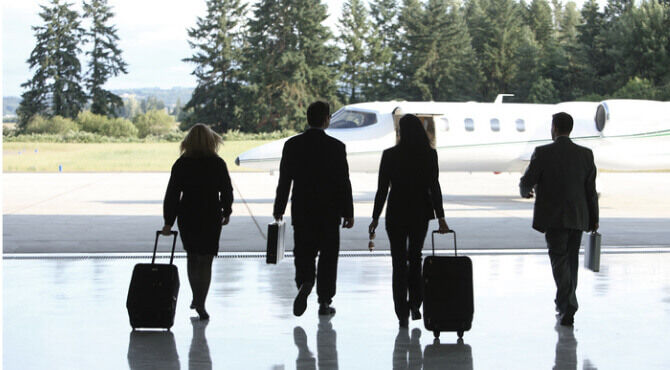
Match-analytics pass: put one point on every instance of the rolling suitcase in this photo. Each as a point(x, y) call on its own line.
point(448, 301)
point(152, 296)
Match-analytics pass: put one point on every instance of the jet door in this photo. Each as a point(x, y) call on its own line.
point(427, 120)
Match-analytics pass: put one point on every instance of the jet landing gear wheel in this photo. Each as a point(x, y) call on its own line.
point(460, 334)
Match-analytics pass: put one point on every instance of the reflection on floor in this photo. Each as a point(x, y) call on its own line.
point(70, 314)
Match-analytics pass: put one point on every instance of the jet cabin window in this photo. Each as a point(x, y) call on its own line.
point(520, 125)
point(495, 124)
point(469, 124)
point(352, 119)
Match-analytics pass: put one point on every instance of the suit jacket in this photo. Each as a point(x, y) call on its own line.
point(317, 166)
point(415, 188)
point(564, 177)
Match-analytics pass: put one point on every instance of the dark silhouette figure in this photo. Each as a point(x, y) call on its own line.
point(407, 354)
point(152, 350)
point(316, 165)
point(447, 356)
point(200, 196)
point(411, 170)
point(563, 176)
point(198, 354)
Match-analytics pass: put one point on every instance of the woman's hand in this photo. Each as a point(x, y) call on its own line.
point(225, 220)
point(444, 228)
point(167, 230)
point(372, 228)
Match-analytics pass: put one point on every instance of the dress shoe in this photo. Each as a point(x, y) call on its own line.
point(325, 309)
point(568, 318)
point(192, 305)
point(202, 313)
point(300, 302)
point(416, 313)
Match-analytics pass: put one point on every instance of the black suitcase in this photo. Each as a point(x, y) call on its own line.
point(152, 296)
point(448, 302)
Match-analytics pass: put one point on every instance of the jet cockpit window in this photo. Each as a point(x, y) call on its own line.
point(520, 125)
point(352, 119)
point(495, 124)
point(469, 124)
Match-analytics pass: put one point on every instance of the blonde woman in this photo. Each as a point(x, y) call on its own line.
point(200, 197)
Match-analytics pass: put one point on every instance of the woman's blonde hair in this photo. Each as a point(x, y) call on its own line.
point(200, 141)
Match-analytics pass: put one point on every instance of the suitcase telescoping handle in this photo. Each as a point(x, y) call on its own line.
point(174, 243)
point(448, 232)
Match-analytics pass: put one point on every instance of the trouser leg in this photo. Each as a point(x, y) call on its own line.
point(416, 238)
point(574, 241)
point(398, 239)
point(304, 254)
point(329, 250)
point(562, 257)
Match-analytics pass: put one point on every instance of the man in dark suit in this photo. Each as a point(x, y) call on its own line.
point(317, 166)
point(563, 177)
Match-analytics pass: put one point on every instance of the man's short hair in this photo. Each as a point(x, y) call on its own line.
point(317, 113)
point(563, 123)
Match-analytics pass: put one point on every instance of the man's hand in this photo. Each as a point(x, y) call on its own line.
point(225, 220)
point(348, 223)
point(167, 230)
point(595, 227)
point(444, 228)
point(530, 194)
point(277, 217)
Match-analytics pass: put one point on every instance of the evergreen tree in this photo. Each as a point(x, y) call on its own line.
point(590, 49)
point(217, 41)
point(495, 26)
point(540, 20)
point(411, 32)
point(354, 32)
point(290, 62)
point(105, 58)
point(55, 87)
point(445, 66)
point(383, 43)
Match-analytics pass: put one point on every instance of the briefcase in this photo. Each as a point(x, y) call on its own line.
point(592, 252)
point(275, 247)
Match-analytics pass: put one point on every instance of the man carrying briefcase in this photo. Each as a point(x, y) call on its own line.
point(563, 176)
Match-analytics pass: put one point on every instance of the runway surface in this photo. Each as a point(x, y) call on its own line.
point(70, 313)
point(119, 212)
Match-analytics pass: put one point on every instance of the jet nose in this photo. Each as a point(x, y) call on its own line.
point(237, 161)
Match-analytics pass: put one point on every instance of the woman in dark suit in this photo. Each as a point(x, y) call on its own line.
point(200, 196)
point(410, 169)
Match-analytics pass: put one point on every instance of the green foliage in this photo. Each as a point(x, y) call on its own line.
point(154, 122)
point(53, 125)
point(105, 57)
point(354, 35)
point(543, 91)
point(217, 43)
point(636, 88)
point(98, 124)
point(289, 61)
point(55, 87)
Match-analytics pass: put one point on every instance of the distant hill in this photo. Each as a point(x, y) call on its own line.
point(9, 105)
point(168, 96)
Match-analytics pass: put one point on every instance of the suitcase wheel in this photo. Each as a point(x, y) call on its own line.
point(436, 333)
point(460, 334)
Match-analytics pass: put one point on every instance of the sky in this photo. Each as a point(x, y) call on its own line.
point(152, 36)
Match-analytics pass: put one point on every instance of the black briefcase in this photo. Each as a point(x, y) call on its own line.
point(275, 247)
point(448, 299)
point(152, 296)
point(592, 252)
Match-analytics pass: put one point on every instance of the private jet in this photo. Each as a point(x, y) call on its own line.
point(625, 135)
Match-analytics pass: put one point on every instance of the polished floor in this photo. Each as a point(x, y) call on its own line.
point(69, 313)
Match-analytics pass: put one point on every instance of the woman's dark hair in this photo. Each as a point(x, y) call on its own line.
point(412, 134)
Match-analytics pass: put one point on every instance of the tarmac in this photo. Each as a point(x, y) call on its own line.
point(119, 212)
